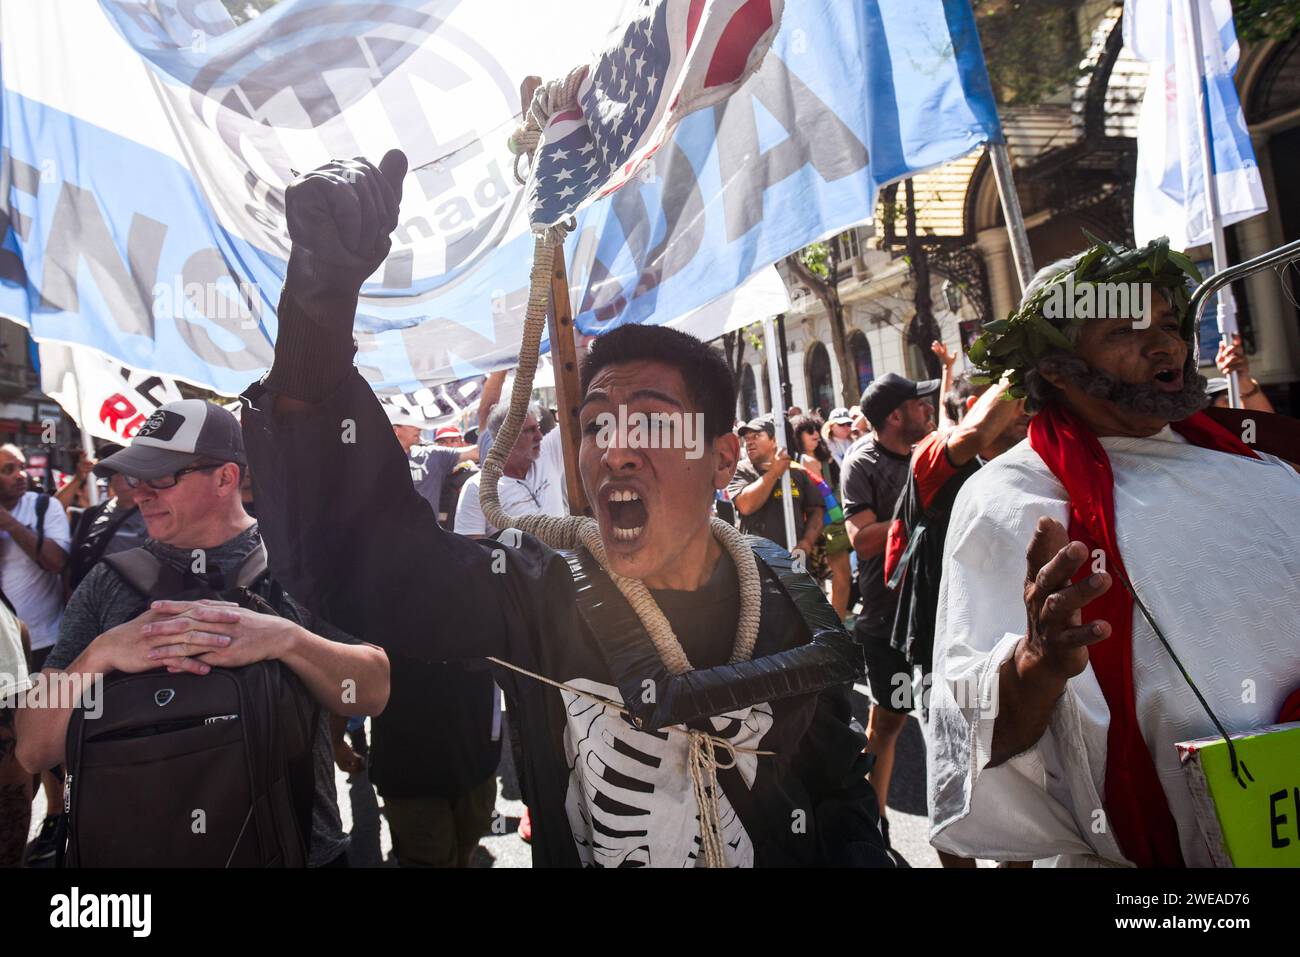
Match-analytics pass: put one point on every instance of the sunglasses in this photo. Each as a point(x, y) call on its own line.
point(168, 481)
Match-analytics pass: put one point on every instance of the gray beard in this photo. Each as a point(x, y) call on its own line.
point(1142, 398)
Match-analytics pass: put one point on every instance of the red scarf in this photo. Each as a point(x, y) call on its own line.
point(1135, 802)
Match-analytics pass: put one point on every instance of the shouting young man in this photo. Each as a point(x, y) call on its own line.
point(1056, 703)
point(607, 769)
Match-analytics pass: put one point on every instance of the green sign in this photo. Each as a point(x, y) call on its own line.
point(1257, 825)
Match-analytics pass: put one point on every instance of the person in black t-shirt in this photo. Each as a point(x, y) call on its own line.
point(983, 426)
point(755, 490)
point(875, 470)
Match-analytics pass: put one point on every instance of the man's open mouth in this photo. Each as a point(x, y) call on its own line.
point(1169, 380)
point(627, 513)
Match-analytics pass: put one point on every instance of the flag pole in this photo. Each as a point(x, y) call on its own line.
point(1226, 312)
point(1011, 212)
point(564, 356)
point(778, 421)
point(88, 446)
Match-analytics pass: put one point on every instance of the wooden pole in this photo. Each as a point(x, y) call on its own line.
point(564, 358)
point(568, 394)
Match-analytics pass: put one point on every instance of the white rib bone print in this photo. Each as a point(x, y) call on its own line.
point(630, 801)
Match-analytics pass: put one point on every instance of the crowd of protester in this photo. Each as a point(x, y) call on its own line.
point(258, 562)
point(860, 481)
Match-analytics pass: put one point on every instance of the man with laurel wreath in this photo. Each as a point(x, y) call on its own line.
point(1160, 601)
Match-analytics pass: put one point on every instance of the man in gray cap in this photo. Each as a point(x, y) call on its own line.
point(756, 489)
point(873, 476)
point(184, 466)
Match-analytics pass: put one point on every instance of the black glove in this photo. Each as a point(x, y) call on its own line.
point(339, 217)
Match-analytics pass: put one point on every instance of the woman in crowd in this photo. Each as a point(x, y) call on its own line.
point(837, 433)
point(833, 547)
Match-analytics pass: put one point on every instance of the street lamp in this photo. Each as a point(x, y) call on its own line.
point(952, 294)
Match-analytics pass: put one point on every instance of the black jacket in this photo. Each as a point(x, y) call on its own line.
point(347, 532)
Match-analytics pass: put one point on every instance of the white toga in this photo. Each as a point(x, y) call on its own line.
point(1212, 544)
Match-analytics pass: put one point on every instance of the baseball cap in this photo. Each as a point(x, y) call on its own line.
point(891, 390)
point(402, 417)
point(447, 432)
point(840, 416)
point(763, 423)
point(1215, 387)
point(176, 435)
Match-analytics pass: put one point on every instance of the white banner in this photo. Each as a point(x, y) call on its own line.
point(101, 395)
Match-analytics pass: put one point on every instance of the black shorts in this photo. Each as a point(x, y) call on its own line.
point(38, 657)
point(889, 676)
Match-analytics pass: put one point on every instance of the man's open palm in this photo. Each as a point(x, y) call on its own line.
point(1057, 638)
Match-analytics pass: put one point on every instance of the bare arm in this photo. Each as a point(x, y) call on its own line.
point(490, 396)
point(42, 732)
point(1231, 358)
point(812, 528)
point(867, 534)
point(52, 557)
point(985, 421)
point(947, 360)
point(67, 496)
point(345, 679)
point(755, 495)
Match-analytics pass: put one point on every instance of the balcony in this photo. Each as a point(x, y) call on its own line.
point(14, 379)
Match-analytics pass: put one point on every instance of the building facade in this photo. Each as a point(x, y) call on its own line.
point(1073, 157)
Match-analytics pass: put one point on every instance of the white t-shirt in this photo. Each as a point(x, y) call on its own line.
point(540, 492)
point(13, 664)
point(37, 595)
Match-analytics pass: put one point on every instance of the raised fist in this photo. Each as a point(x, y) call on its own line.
point(340, 215)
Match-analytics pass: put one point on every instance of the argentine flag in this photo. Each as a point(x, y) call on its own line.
point(1169, 196)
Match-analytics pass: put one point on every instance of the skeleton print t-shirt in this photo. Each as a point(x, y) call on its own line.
point(630, 800)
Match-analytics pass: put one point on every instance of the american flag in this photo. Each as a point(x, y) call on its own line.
point(676, 56)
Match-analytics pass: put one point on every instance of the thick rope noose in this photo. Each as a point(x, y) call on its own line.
point(571, 531)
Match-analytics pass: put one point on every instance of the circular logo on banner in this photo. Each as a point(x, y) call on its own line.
point(359, 79)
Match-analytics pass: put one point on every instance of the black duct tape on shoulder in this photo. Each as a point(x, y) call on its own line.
point(830, 658)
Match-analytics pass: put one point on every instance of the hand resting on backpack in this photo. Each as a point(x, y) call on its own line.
point(129, 647)
point(345, 678)
point(209, 633)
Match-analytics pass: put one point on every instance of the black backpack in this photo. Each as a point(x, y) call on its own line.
point(184, 770)
point(91, 536)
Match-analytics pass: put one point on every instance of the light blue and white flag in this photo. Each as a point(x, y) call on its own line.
point(1170, 191)
point(147, 145)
